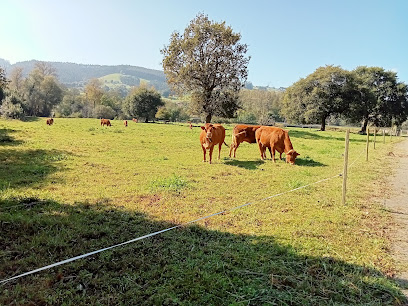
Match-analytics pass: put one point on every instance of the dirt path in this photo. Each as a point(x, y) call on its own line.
point(397, 204)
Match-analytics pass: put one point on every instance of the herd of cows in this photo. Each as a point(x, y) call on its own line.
point(271, 137)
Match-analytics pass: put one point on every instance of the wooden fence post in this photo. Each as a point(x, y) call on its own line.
point(346, 149)
point(383, 136)
point(368, 142)
point(375, 135)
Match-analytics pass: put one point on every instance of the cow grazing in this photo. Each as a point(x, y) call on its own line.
point(105, 122)
point(134, 120)
point(50, 121)
point(241, 133)
point(275, 138)
point(125, 123)
point(211, 135)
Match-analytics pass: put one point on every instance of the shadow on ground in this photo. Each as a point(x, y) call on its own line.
point(22, 168)
point(248, 164)
point(6, 139)
point(188, 265)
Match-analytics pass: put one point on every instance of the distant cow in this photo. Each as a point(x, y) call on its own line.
point(241, 133)
point(211, 135)
point(105, 122)
point(190, 125)
point(275, 138)
point(134, 120)
point(50, 121)
point(125, 123)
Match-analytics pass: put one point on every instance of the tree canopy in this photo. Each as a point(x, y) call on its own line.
point(380, 98)
point(325, 92)
point(209, 62)
point(142, 102)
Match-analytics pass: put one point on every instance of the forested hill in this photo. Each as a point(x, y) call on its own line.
point(77, 75)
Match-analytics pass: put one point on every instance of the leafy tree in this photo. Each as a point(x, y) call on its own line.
point(104, 111)
point(3, 83)
point(380, 98)
point(142, 102)
point(260, 106)
point(42, 93)
point(17, 79)
point(325, 92)
point(209, 62)
point(94, 92)
point(11, 106)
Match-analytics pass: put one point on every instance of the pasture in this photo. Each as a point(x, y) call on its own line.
point(75, 187)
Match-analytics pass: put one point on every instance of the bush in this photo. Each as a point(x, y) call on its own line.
point(103, 111)
point(11, 108)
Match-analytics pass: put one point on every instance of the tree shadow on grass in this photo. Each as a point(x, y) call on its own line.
point(32, 119)
point(6, 139)
point(187, 265)
point(23, 168)
point(248, 164)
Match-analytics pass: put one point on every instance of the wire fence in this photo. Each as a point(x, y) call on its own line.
point(170, 228)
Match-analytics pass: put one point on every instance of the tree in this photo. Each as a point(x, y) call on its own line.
point(380, 98)
point(142, 102)
point(209, 62)
point(3, 83)
point(325, 92)
point(42, 93)
point(94, 92)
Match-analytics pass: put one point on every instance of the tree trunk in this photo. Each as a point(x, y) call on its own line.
point(208, 118)
point(323, 127)
point(364, 127)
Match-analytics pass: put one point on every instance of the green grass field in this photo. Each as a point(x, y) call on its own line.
point(75, 187)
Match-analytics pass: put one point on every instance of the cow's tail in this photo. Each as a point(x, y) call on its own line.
point(226, 144)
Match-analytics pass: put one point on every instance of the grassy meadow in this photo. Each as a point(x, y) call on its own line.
point(75, 187)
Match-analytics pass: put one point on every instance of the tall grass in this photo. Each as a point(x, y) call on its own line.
point(74, 187)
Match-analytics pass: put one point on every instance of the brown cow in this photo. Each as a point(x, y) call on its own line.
point(211, 135)
point(105, 121)
point(275, 138)
point(50, 121)
point(241, 133)
point(134, 120)
point(125, 123)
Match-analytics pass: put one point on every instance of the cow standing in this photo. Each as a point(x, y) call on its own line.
point(241, 133)
point(50, 121)
point(275, 138)
point(125, 123)
point(211, 135)
point(105, 122)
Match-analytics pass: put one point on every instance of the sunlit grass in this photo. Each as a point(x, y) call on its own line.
point(83, 187)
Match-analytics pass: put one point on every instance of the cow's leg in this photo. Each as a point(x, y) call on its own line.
point(204, 151)
point(270, 152)
point(273, 154)
point(219, 150)
point(235, 148)
point(280, 156)
point(260, 149)
point(211, 151)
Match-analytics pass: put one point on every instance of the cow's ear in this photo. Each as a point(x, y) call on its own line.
point(203, 128)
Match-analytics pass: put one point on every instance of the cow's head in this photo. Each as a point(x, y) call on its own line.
point(208, 128)
point(291, 156)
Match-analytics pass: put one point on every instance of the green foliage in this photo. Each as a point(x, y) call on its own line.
point(325, 92)
point(103, 111)
point(11, 107)
point(142, 102)
point(380, 97)
point(207, 61)
point(42, 91)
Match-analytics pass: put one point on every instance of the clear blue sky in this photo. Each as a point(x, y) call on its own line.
point(287, 39)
